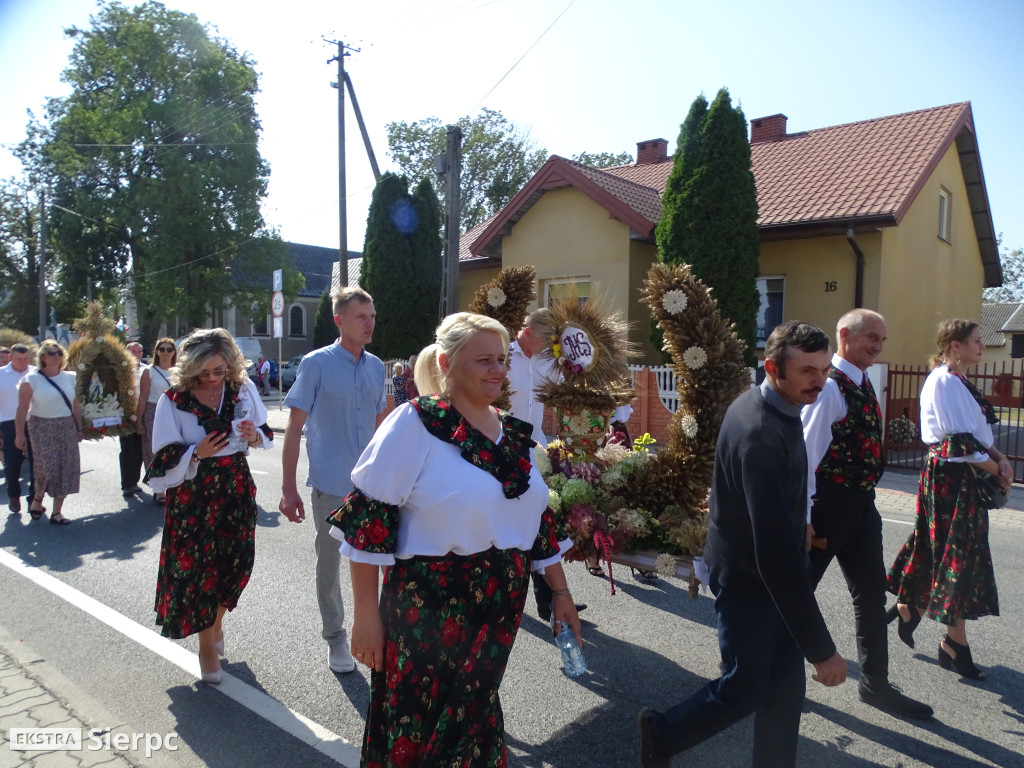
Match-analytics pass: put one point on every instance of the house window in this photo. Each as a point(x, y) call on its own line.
point(297, 321)
point(1017, 345)
point(944, 206)
point(770, 312)
point(261, 326)
point(560, 290)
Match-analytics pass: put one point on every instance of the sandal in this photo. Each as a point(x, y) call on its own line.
point(595, 570)
point(36, 513)
point(645, 574)
point(59, 520)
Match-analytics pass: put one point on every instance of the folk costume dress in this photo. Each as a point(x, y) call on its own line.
point(208, 546)
point(946, 565)
point(458, 524)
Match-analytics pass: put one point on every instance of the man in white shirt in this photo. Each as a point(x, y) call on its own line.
point(843, 435)
point(14, 458)
point(527, 370)
point(264, 379)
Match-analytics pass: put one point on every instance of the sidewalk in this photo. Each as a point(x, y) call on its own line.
point(27, 702)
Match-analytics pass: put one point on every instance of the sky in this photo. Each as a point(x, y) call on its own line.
point(580, 75)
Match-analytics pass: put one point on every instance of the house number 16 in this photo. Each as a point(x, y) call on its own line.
point(830, 286)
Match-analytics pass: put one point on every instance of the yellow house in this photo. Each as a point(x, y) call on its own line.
point(890, 214)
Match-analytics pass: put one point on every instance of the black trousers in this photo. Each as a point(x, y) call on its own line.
point(762, 673)
point(850, 521)
point(14, 459)
point(130, 460)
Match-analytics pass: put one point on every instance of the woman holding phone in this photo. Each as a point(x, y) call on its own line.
point(204, 426)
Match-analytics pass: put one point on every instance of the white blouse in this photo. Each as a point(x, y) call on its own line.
point(171, 425)
point(159, 382)
point(445, 503)
point(46, 401)
point(948, 408)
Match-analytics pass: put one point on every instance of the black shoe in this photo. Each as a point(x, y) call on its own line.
point(14, 505)
point(544, 611)
point(962, 662)
point(650, 755)
point(889, 698)
point(905, 629)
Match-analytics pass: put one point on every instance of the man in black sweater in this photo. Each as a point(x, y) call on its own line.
point(768, 619)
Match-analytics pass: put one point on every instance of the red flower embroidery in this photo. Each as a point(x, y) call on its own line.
point(505, 636)
point(186, 561)
point(492, 587)
point(405, 753)
point(412, 615)
point(450, 632)
point(377, 531)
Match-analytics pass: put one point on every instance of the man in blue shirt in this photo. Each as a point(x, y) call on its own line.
point(337, 395)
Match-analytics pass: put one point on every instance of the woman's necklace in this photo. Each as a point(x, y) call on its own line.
point(210, 398)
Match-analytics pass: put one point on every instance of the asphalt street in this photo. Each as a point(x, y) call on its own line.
point(650, 644)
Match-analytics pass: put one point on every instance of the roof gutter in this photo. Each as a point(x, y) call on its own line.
point(858, 291)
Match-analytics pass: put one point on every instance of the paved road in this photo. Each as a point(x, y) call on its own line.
point(650, 644)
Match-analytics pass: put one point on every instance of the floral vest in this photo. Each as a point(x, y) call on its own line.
point(854, 457)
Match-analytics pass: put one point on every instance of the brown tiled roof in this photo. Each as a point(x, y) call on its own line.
point(868, 173)
point(994, 319)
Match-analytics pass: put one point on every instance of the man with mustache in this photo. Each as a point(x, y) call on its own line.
point(843, 433)
point(768, 619)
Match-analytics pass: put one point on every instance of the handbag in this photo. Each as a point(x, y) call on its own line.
point(990, 494)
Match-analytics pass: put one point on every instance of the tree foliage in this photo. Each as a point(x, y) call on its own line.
point(154, 164)
point(401, 266)
point(1012, 289)
point(498, 158)
point(324, 330)
point(19, 257)
point(603, 159)
point(709, 211)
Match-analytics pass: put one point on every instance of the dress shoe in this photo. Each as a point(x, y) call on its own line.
point(962, 662)
point(14, 505)
point(339, 657)
point(891, 699)
point(650, 755)
point(905, 629)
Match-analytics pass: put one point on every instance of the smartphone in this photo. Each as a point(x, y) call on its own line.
point(215, 424)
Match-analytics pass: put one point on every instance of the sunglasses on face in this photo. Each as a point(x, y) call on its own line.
point(165, 349)
point(54, 352)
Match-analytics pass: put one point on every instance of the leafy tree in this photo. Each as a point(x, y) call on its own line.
point(155, 150)
point(1012, 288)
point(427, 262)
point(709, 211)
point(324, 330)
point(498, 158)
point(19, 257)
point(603, 159)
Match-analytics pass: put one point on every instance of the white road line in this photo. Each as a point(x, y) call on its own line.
point(305, 730)
point(898, 522)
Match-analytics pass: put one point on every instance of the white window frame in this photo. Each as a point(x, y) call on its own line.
point(578, 281)
point(762, 290)
point(291, 329)
point(945, 217)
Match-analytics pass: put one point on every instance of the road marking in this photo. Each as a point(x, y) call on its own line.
point(898, 522)
point(257, 471)
point(301, 727)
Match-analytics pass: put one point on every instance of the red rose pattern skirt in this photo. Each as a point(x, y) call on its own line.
point(450, 624)
point(208, 547)
point(945, 566)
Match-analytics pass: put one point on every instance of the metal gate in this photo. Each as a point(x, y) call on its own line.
point(1002, 384)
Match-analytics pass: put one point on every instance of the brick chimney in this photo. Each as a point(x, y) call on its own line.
point(651, 151)
point(768, 128)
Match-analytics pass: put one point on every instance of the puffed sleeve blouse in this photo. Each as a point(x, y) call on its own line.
point(948, 410)
point(177, 430)
point(430, 484)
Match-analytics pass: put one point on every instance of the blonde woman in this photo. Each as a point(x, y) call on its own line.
point(204, 426)
point(447, 501)
point(155, 380)
point(48, 408)
point(944, 571)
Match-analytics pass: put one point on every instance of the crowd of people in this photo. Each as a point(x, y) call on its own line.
point(442, 516)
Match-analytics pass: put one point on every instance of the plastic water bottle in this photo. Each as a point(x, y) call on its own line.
point(573, 663)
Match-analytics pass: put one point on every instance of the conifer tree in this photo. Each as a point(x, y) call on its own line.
point(324, 329)
point(709, 211)
point(427, 251)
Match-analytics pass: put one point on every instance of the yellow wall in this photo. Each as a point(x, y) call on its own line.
point(470, 280)
point(924, 278)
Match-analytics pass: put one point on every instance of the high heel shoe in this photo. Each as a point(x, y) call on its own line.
point(905, 629)
point(962, 662)
point(213, 678)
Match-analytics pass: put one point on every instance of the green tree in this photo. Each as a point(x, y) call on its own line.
point(709, 211)
point(19, 257)
point(325, 332)
point(427, 261)
point(498, 158)
point(155, 150)
point(603, 159)
point(1012, 288)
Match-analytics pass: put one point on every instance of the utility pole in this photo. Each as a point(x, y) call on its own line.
point(342, 217)
point(450, 166)
point(362, 129)
point(42, 266)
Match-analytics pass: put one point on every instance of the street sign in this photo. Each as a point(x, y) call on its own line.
point(278, 330)
point(277, 304)
point(277, 280)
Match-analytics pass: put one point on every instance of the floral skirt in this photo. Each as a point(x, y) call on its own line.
point(208, 547)
point(148, 416)
point(450, 624)
point(56, 464)
point(946, 565)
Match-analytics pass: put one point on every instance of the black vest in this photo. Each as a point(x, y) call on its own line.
point(854, 457)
